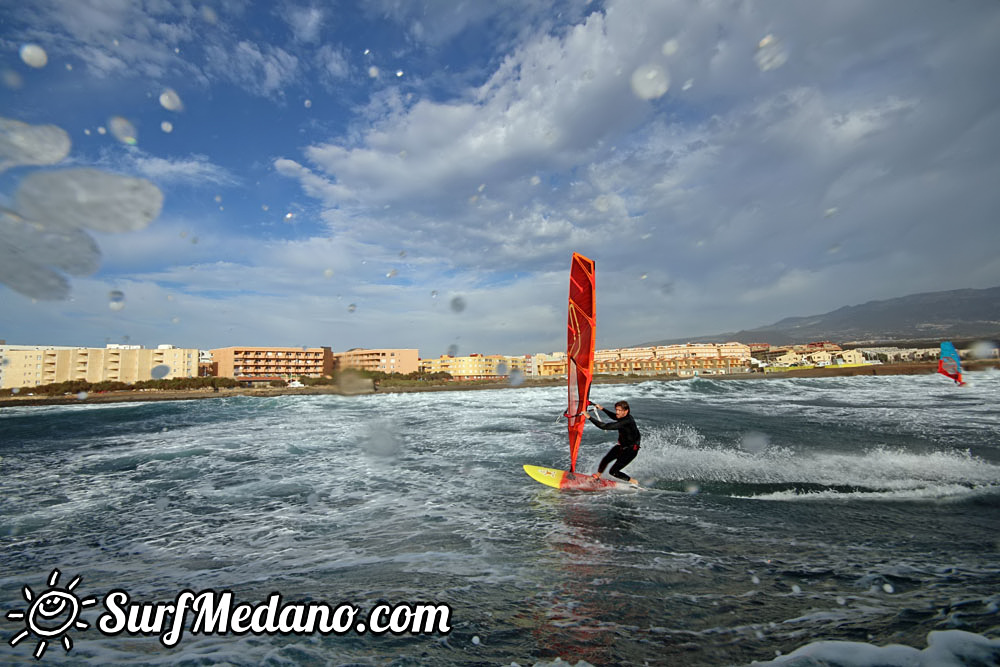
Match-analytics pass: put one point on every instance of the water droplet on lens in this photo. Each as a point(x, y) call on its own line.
point(796, 588)
point(351, 308)
point(770, 54)
point(754, 442)
point(170, 100)
point(475, 640)
point(391, 274)
point(308, 103)
point(434, 294)
point(82, 396)
point(888, 588)
point(116, 300)
point(167, 126)
point(34, 56)
point(373, 72)
point(123, 130)
point(650, 82)
point(458, 304)
point(328, 273)
point(516, 378)
point(160, 371)
point(452, 350)
point(670, 47)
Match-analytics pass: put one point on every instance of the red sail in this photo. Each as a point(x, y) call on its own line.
point(579, 349)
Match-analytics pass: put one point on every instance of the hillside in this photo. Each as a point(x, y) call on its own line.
point(930, 316)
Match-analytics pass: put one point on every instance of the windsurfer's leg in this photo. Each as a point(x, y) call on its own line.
point(608, 458)
point(625, 456)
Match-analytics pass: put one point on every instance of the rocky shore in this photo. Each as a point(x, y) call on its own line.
point(386, 388)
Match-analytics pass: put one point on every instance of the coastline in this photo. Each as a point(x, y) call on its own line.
point(920, 368)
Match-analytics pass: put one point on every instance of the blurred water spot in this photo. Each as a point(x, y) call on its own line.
point(391, 274)
point(516, 378)
point(34, 56)
point(11, 79)
point(373, 72)
point(23, 144)
point(754, 442)
point(983, 349)
point(692, 489)
point(170, 100)
point(399, 73)
point(830, 212)
point(888, 588)
point(162, 503)
point(796, 589)
point(650, 82)
point(755, 579)
point(771, 54)
point(452, 350)
point(434, 294)
point(380, 439)
point(328, 273)
point(89, 198)
point(167, 126)
point(123, 130)
point(116, 299)
point(208, 14)
point(160, 371)
point(688, 84)
point(307, 104)
point(535, 180)
point(670, 47)
point(82, 396)
point(475, 640)
point(458, 304)
point(502, 368)
point(289, 215)
point(351, 308)
point(101, 130)
point(29, 251)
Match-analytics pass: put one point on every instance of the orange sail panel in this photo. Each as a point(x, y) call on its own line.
point(579, 349)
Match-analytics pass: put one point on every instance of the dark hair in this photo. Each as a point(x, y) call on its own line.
point(622, 404)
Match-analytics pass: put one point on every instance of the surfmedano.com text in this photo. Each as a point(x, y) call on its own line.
point(215, 613)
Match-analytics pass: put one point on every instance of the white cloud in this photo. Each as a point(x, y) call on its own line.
point(190, 170)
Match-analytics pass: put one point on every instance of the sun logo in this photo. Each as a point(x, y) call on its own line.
point(51, 615)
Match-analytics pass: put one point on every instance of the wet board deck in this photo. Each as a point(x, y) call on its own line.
point(569, 481)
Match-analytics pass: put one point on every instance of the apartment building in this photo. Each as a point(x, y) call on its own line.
point(286, 363)
point(31, 366)
point(476, 366)
point(396, 360)
point(684, 360)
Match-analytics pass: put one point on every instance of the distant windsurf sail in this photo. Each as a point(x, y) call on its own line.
point(579, 349)
point(950, 364)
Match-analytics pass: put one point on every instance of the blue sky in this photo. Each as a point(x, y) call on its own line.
point(417, 174)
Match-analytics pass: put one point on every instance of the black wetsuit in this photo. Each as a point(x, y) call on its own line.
point(627, 447)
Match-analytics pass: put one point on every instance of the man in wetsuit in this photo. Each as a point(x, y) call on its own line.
point(628, 440)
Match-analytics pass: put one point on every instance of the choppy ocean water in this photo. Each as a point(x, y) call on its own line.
point(779, 515)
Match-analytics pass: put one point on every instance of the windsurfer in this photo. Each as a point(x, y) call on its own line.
point(628, 440)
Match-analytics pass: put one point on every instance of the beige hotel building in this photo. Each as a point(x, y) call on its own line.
point(34, 365)
point(395, 360)
point(285, 363)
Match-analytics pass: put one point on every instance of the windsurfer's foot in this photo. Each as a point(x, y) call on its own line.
point(596, 475)
point(633, 480)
